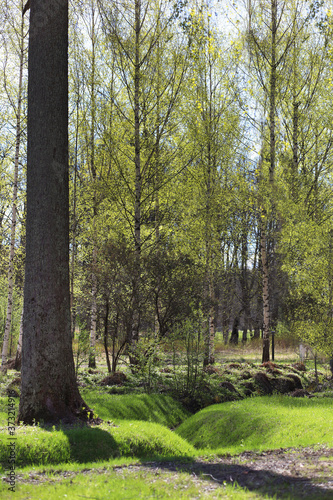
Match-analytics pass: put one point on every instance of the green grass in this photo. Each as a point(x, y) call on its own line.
point(108, 482)
point(148, 407)
point(86, 462)
point(268, 422)
point(138, 428)
point(35, 445)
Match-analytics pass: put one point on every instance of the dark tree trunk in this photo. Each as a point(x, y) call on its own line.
point(49, 391)
point(256, 332)
point(234, 333)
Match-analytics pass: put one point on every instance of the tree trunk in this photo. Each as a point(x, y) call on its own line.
point(234, 332)
point(18, 357)
point(49, 391)
point(138, 190)
point(74, 225)
point(106, 332)
point(14, 210)
point(93, 317)
point(265, 291)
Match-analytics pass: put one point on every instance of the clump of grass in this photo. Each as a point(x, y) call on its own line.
point(157, 408)
point(260, 423)
point(35, 445)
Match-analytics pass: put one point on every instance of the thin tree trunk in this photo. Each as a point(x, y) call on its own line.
point(210, 331)
point(93, 311)
point(138, 189)
point(157, 176)
point(265, 290)
point(106, 333)
point(73, 307)
point(272, 91)
point(14, 209)
point(18, 357)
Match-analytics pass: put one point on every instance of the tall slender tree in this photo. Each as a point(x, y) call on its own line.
point(18, 111)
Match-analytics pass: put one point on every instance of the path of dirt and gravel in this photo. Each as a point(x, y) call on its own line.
point(284, 473)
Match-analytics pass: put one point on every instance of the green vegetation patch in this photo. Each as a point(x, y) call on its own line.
point(125, 483)
point(157, 408)
point(35, 445)
point(261, 423)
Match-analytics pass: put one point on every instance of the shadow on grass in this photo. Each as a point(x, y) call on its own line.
point(262, 481)
point(88, 444)
point(91, 444)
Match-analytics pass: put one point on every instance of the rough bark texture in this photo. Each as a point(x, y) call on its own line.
point(49, 391)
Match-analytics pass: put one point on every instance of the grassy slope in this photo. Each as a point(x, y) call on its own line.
point(256, 423)
point(153, 407)
point(261, 423)
point(35, 445)
point(135, 437)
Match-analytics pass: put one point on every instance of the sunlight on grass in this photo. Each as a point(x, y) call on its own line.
point(133, 482)
point(150, 407)
point(36, 445)
point(261, 423)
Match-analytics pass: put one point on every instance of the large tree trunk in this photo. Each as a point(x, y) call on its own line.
point(49, 391)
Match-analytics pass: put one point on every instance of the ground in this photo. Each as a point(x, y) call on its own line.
point(291, 473)
point(300, 473)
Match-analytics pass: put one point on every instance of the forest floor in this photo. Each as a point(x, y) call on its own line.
point(280, 474)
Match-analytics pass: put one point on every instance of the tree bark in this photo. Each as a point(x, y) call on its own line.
point(93, 310)
point(106, 334)
point(211, 167)
point(265, 291)
point(49, 391)
point(18, 357)
point(138, 190)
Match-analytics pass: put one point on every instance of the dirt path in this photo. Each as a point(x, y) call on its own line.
point(292, 473)
point(296, 474)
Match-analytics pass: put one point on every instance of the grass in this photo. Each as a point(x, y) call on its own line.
point(110, 480)
point(138, 427)
point(156, 408)
point(261, 423)
point(35, 445)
